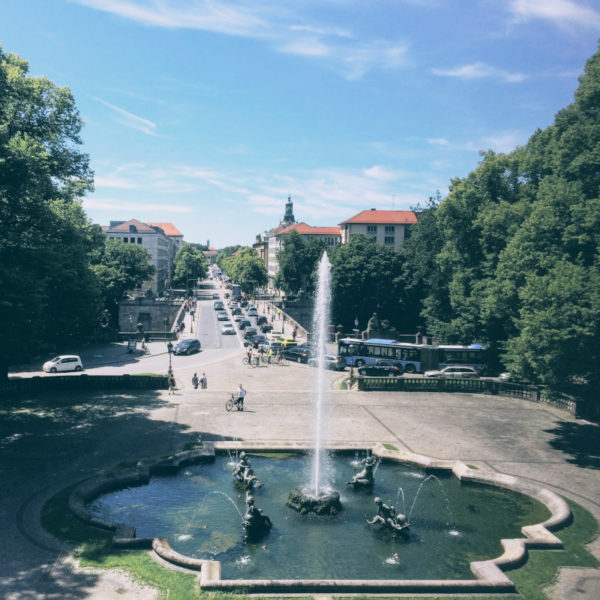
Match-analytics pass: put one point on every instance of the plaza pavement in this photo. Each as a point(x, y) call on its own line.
point(53, 440)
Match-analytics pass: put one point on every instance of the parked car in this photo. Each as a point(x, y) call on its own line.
point(330, 361)
point(187, 346)
point(269, 344)
point(218, 305)
point(65, 362)
point(266, 328)
point(222, 316)
point(300, 355)
point(261, 320)
point(252, 312)
point(228, 329)
point(454, 372)
point(243, 323)
point(216, 295)
point(382, 368)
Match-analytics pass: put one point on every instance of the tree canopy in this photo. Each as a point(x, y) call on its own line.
point(189, 265)
point(298, 259)
point(246, 269)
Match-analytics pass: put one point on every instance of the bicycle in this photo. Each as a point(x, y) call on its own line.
point(279, 360)
point(231, 402)
point(251, 362)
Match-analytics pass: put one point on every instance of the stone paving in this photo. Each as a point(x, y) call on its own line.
point(51, 441)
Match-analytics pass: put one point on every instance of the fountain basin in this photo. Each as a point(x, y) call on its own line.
point(488, 573)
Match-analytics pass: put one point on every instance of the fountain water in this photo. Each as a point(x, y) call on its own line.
point(319, 497)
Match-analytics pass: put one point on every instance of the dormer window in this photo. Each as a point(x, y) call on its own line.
point(132, 229)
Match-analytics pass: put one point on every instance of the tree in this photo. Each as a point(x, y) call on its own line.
point(190, 265)
point(246, 269)
point(364, 279)
point(47, 291)
point(120, 268)
point(298, 259)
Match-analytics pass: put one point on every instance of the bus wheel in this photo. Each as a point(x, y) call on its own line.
point(360, 363)
point(410, 368)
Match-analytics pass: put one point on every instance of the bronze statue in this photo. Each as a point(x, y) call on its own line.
point(364, 478)
point(255, 523)
point(388, 517)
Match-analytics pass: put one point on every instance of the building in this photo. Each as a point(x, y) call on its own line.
point(161, 245)
point(388, 228)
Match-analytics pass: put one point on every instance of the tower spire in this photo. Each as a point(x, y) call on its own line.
point(288, 217)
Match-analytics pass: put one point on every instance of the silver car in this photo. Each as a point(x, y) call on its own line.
point(454, 372)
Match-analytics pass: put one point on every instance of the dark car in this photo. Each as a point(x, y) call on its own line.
point(236, 311)
point(218, 305)
point(187, 346)
point(300, 355)
point(243, 323)
point(261, 320)
point(250, 332)
point(266, 328)
point(256, 339)
point(382, 368)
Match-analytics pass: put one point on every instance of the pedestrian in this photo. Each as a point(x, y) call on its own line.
point(195, 381)
point(294, 333)
point(249, 353)
point(241, 394)
point(270, 354)
point(171, 382)
point(203, 381)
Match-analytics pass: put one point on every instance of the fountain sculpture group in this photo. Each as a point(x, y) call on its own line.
point(256, 524)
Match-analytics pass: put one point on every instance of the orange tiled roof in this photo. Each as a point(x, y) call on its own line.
point(393, 217)
point(124, 227)
point(168, 228)
point(305, 229)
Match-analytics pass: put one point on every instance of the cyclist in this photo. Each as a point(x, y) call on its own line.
point(241, 394)
point(270, 355)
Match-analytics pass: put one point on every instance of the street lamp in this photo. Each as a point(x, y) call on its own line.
point(170, 351)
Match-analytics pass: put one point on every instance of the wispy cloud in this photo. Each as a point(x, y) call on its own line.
point(560, 12)
point(274, 23)
point(130, 120)
point(503, 142)
point(480, 70)
point(119, 207)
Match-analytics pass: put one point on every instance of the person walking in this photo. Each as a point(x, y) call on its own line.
point(241, 394)
point(195, 381)
point(203, 381)
point(171, 383)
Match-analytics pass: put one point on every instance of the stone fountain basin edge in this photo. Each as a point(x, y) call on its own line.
point(489, 574)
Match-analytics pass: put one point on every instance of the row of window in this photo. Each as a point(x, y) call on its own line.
point(372, 229)
point(126, 240)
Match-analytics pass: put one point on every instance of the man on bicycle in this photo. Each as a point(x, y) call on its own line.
point(241, 393)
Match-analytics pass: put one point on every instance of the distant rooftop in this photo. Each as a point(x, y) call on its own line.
point(168, 228)
point(392, 217)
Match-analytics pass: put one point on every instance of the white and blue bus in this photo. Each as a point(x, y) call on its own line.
point(414, 358)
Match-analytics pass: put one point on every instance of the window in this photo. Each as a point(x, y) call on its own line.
point(125, 240)
point(139, 240)
point(389, 230)
point(389, 240)
point(372, 229)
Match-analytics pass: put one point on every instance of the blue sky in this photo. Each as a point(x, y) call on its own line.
point(208, 113)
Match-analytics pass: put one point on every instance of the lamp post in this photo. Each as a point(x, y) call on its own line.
point(170, 351)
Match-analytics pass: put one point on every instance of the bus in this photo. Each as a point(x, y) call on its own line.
point(414, 358)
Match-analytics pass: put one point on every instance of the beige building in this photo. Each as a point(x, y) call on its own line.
point(162, 240)
point(387, 227)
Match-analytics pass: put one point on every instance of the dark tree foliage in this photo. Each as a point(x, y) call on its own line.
point(47, 291)
point(298, 260)
point(516, 263)
point(189, 265)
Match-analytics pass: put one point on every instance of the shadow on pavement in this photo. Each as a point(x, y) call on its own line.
point(579, 440)
point(66, 437)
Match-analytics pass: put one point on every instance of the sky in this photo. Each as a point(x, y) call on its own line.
point(209, 113)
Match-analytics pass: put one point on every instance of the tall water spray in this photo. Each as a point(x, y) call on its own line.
point(321, 320)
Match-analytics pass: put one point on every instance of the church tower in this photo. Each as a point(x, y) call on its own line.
point(288, 218)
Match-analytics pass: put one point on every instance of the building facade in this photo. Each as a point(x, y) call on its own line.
point(161, 246)
point(388, 228)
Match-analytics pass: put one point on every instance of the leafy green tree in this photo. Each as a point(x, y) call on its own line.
point(246, 269)
point(190, 265)
point(226, 253)
point(120, 268)
point(46, 288)
point(297, 262)
point(364, 280)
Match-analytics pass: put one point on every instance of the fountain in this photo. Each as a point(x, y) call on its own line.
point(319, 498)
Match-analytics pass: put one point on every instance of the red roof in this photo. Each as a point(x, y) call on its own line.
point(168, 228)
point(125, 227)
point(304, 229)
point(395, 217)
